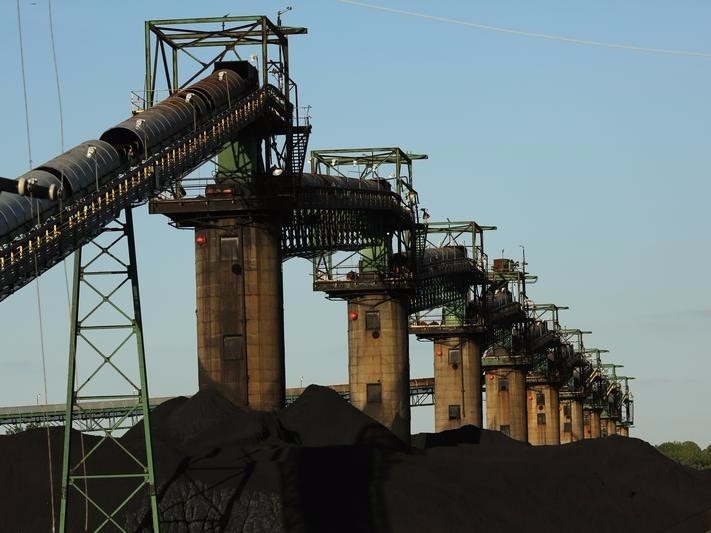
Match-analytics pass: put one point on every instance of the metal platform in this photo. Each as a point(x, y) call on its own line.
point(87, 416)
point(440, 331)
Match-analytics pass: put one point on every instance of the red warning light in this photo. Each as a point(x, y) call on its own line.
point(439, 352)
point(200, 240)
point(491, 376)
point(353, 315)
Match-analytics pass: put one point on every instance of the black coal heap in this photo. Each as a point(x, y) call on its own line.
point(322, 465)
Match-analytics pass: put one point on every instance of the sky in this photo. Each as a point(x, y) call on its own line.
point(595, 159)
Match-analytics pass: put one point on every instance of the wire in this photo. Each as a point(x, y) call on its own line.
point(64, 262)
point(44, 377)
point(56, 74)
point(53, 48)
point(559, 38)
point(24, 85)
point(39, 299)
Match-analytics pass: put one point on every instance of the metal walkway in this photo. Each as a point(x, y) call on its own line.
point(93, 415)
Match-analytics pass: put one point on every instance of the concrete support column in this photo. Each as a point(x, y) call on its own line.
point(264, 303)
point(240, 312)
point(592, 424)
point(506, 402)
point(572, 427)
point(457, 375)
point(623, 431)
point(543, 414)
point(566, 420)
point(611, 427)
point(378, 360)
point(576, 410)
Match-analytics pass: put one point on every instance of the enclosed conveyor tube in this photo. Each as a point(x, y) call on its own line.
point(83, 167)
point(444, 260)
point(92, 164)
point(22, 200)
point(326, 181)
point(158, 126)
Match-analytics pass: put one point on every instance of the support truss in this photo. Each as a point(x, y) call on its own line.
point(106, 336)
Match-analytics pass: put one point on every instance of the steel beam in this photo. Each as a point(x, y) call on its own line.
point(106, 321)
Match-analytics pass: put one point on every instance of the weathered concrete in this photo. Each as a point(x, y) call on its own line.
point(240, 312)
point(592, 423)
point(611, 427)
point(457, 373)
point(572, 427)
point(506, 401)
point(543, 414)
point(378, 360)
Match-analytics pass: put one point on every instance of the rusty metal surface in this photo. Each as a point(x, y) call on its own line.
point(158, 126)
point(221, 88)
point(199, 104)
point(152, 128)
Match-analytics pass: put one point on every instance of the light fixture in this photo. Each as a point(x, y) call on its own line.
point(200, 239)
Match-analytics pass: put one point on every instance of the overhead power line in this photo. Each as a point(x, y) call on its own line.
point(24, 85)
point(559, 38)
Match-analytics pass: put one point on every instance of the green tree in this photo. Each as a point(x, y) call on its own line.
point(687, 453)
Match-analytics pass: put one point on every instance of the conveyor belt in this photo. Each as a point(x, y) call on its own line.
point(49, 242)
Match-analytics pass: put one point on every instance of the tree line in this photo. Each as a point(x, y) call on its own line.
point(687, 453)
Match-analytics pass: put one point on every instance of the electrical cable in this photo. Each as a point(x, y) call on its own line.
point(537, 35)
point(56, 74)
point(24, 85)
point(53, 48)
point(39, 299)
point(44, 378)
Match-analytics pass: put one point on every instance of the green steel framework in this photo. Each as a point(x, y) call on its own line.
point(174, 35)
point(76, 477)
point(190, 35)
point(593, 400)
point(389, 164)
point(628, 403)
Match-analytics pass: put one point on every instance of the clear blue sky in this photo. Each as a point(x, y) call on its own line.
point(595, 159)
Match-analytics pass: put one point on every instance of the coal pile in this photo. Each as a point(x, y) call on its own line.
point(322, 465)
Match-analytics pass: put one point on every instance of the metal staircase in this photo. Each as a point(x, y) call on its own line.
point(299, 143)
